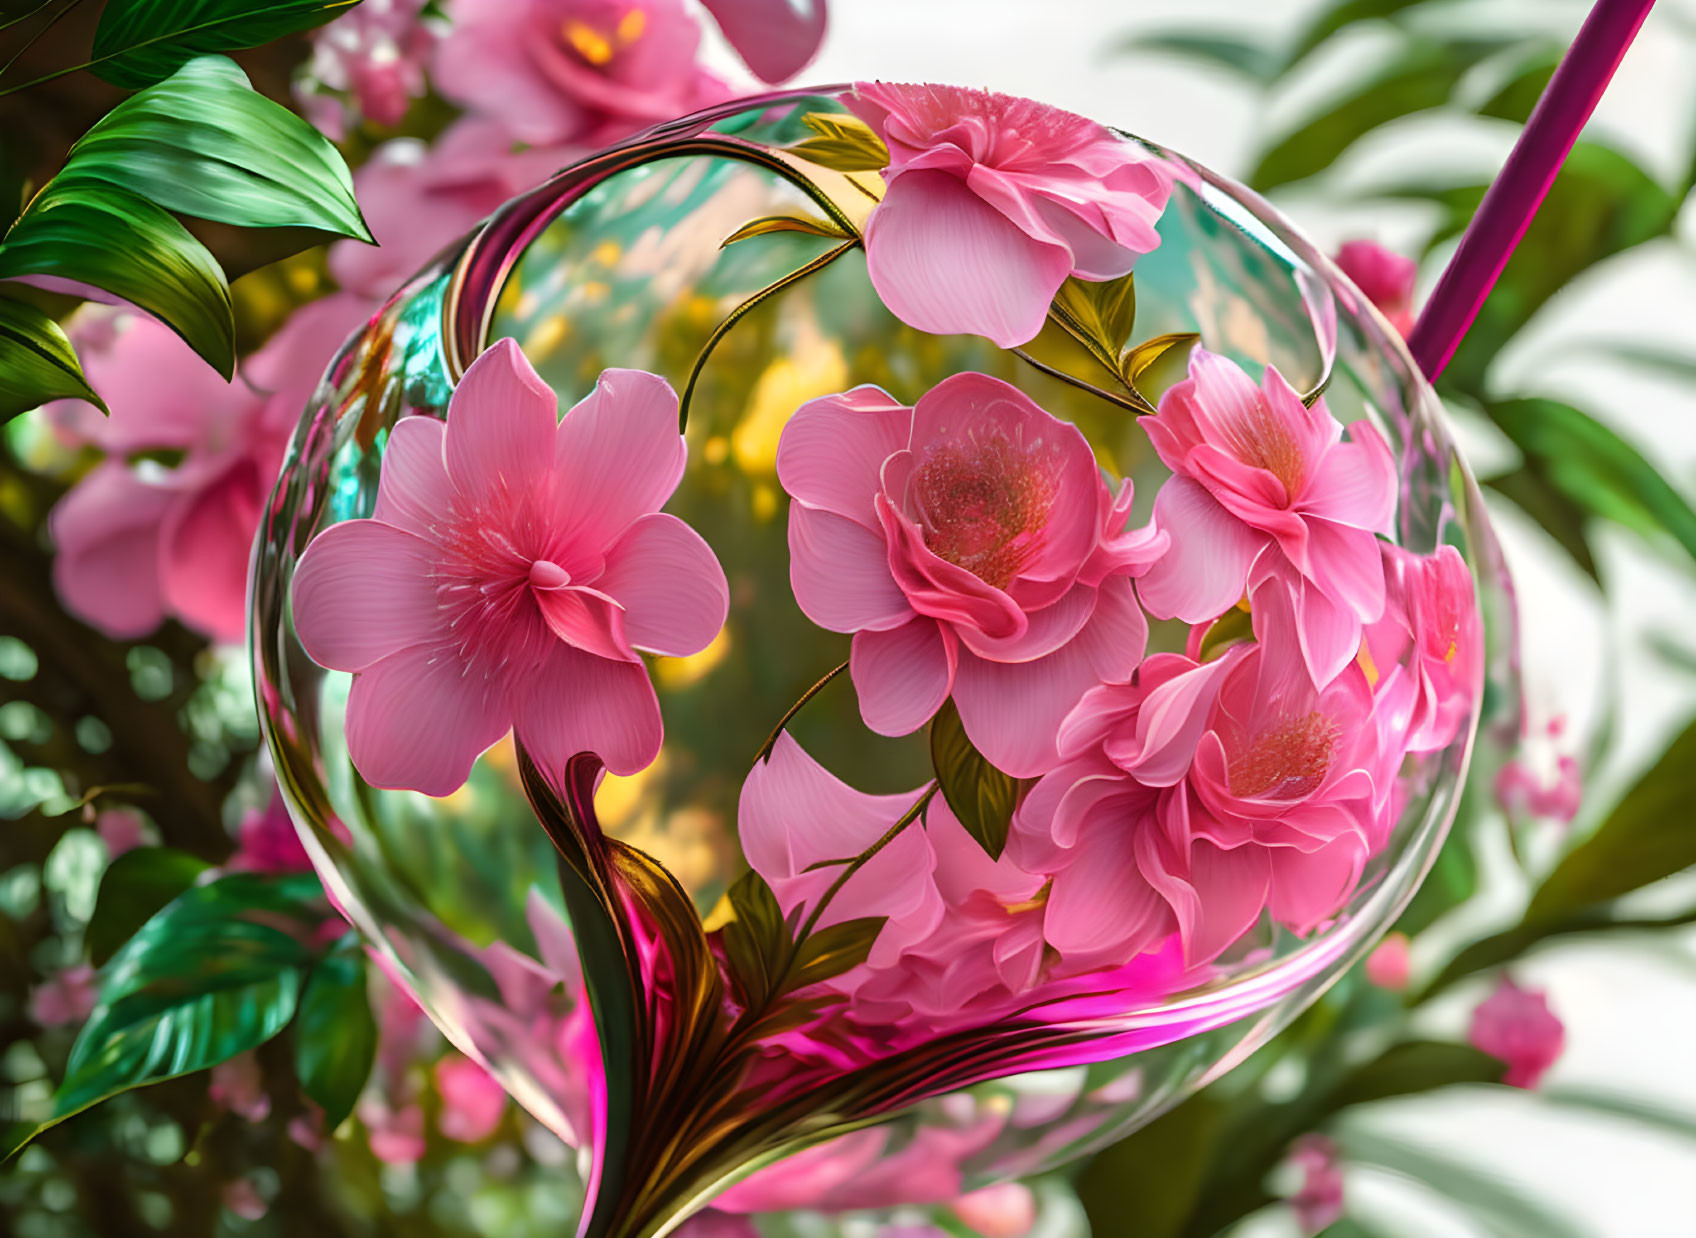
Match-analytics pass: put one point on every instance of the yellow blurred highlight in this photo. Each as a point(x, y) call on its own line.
point(813, 366)
point(546, 336)
point(716, 450)
point(587, 42)
point(631, 26)
point(765, 501)
point(676, 673)
point(606, 253)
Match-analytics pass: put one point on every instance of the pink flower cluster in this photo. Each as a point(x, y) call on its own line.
point(368, 64)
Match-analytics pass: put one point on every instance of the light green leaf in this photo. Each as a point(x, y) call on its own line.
point(842, 142)
point(135, 886)
point(1644, 1112)
point(1155, 1175)
point(981, 796)
point(1560, 517)
point(1339, 17)
point(204, 143)
point(37, 362)
point(335, 1037)
point(1246, 57)
point(766, 225)
point(139, 42)
point(1100, 314)
point(97, 234)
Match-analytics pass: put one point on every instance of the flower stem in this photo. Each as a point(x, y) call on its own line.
point(864, 858)
point(1519, 189)
point(771, 740)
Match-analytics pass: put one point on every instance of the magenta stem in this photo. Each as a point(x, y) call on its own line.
point(1512, 201)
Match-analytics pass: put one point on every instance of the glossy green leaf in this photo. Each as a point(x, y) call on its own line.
point(335, 1037)
point(980, 796)
point(37, 362)
point(1158, 363)
point(1248, 58)
point(1415, 1066)
point(1421, 77)
point(1517, 96)
point(1156, 1174)
point(1100, 314)
point(135, 886)
point(842, 142)
point(767, 225)
point(204, 143)
point(1560, 517)
point(1595, 469)
point(100, 235)
point(1646, 837)
point(207, 978)
point(757, 942)
point(828, 952)
point(139, 42)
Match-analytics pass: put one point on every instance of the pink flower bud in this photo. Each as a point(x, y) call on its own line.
point(66, 997)
point(1319, 1203)
point(1005, 1210)
point(1388, 966)
point(1517, 1026)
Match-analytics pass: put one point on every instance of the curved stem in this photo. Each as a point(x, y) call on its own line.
point(34, 38)
point(864, 858)
point(1138, 406)
point(771, 740)
point(1519, 189)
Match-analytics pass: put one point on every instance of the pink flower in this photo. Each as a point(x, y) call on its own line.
point(1264, 487)
point(267, 842)
point(1540, 782)
point(1431, 636)
point(582, 71)
point(1389, 966)
point(1385, 277)
point(139, 541)
point(66, 997)
point(993, 201)
point(1200, 794)
point(121, 830)
point(396, 1134)
point(1005, 1210)
point(507, 576)
point(1517, 1026)
point(239, 1086)
point(472, 1102)
point(972, 547)
point(367, 63)
point(1318, 1205)
point(775, 38)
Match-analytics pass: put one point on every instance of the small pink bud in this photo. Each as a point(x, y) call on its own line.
point(1517, 1026)
point(472, 1102)
point(1319, 1203)
point(242, 1198)
point(1385, 277)
point(1388, 966)
point(1005, 1210)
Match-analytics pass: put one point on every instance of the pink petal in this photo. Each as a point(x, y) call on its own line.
point(361, 592)
point(617, 455)
point(1232, 889)
point(586, 619)
point(1309, 888)
point(416, 721)
point(577, 702)
point(487, 67)
point(1170, 723)
point(1355, 483)
point(414, 492)
point(500, 431)
point(107, 568)
point(293, 361)
point(831, 453)
point(670, 584)
point(1205, 570)
point(1047, 629)
point(839, 571)
point(1103, 905)
point(945, 261)
point(1347, 566)
point(1013, 710)
point(775, 38)
point(205, 548)
point(902, 675)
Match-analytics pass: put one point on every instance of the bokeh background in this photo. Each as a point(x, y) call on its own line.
point(1366, 135)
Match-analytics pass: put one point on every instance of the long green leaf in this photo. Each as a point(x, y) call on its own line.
point(1644, 1112)
point(1156, 1174)
point(1647, 837)
point(97, 234)
point(1415, 1066)
point(135, 886)
point(1560, 517)
point(1515, 98)
point(335, 1037)
point(1339, 16)
point(1248, 58)
point(1596, 469)
point(139, 42)
point(37, 362)
point(204, 143)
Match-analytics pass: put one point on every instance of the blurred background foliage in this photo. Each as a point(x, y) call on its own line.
point(112, 749)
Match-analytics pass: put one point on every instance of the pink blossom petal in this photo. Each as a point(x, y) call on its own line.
point(486, 65)
point(1012, 711)
point(1355, 483)
point(775, 38)
point(205, 548)
point(586, 619)
point(1205, 570)
point(416, 720)
point(831, 453)
point(1310, 887)
point(1105, 906)
point(1170, 722)
point(1232, 887)
point(107, 569)
point(902, 675)
point(415, 492)
point(500, 431)
point(362, 592)
point(670, 584)
point(617, 454)
point(947, 262)
point(577, 702)
point(1347, 567)
point(839, 571)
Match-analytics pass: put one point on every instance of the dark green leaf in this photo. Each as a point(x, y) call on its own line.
point(204, 143)
point(1154, 1175)
point(981, 796)
point(1421, 77)
point(757, 942)
point(139, 42)
point(335, 1037)
point(1416, 1066)
point(1246, 57)
point(1559, 516)
point(1601, 204)
point(136, 885)
point(37, 362)
point(1596, 469)
point(100, 235)
point(207, 978)
point(1519, 94)
point(1648, 836)
point(829, 952)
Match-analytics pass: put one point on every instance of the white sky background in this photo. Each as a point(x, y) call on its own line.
point(1630, 1012)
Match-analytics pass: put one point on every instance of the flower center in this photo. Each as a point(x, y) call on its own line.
point(598, 46)
point(484, 585)
point(982, 504)
point(1285, 761)
point(1262, 440)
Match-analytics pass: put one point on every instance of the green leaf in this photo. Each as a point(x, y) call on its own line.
point(1421, 77)
point(1157, 363)
point(1648, 836)
point(981, 796)
point(1519, 94)
point(37, 362)
point(1245, 57)
point(139, 42)
point(1415, 1066)
point(136, 885)
point(829, 952)
point(207, 978)
point(1559, 516)
point(97, 234)
point(1596, 469)
point(1645, 1113)
point(204, 143)
point(1100, 313)
point(844, 143)
point(758, 944)
point(766, 225)
point(335, 1037)
point(1339, 17)
point(1156, 1174)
